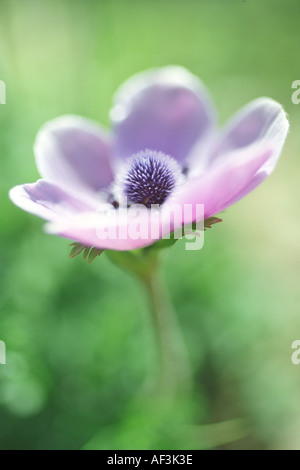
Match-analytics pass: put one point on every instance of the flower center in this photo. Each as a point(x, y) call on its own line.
point(151, 178)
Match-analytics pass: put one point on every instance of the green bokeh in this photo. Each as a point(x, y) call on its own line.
point(78, 336)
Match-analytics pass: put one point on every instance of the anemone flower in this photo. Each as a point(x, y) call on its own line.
point(165, 150)
point(165, 154)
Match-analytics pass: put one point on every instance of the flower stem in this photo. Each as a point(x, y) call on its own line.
point(175, 374)
point(174, 367)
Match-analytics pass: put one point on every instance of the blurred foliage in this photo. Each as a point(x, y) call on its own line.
point(79, 340)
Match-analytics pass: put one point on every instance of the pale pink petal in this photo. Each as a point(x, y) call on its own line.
point(46, 200)
point(112, 231)
point(258, 178)
point(225, 183)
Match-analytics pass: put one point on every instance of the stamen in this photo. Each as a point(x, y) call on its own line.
point(150, 178)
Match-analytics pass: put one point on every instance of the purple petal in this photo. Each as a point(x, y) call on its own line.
point(262, 120)
point(166, 110)
point(46, 200)
point(75, 154)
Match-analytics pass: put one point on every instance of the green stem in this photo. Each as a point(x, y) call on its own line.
point(175, 374)
point(174, 367)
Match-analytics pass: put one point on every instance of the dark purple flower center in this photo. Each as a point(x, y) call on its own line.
point(151, 178)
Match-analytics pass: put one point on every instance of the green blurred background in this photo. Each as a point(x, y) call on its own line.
point(79, 338)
